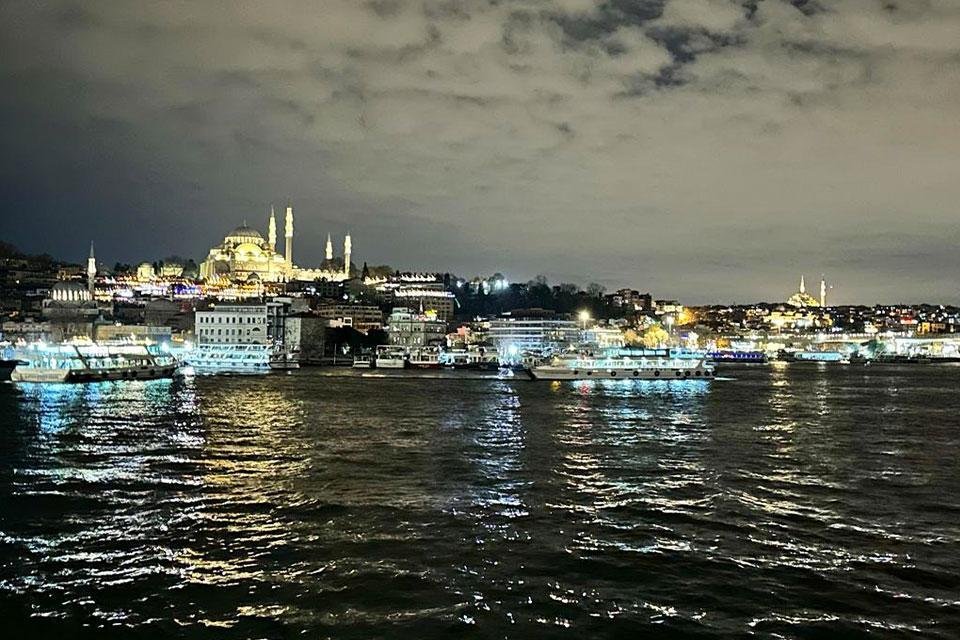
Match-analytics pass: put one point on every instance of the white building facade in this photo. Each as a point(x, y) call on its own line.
point(233, 324)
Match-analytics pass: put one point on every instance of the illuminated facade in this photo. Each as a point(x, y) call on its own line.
point(244, 255)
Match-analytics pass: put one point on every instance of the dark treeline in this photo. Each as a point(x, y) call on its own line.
point(563, 298)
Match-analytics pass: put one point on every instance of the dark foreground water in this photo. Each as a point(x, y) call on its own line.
point(789, 502)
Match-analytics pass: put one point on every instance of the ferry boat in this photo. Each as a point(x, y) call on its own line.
point(424, 358)
point(471, 359)
point(244, 359)
point(76, 362)
point(363, 361)
point(391, 357)
point(816, 356)
point(640, 364)
point(738, 357)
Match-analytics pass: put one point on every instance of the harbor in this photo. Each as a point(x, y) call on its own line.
point(277, 503)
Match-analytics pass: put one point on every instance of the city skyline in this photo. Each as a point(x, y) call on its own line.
point(711, 151)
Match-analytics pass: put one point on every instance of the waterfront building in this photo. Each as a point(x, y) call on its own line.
point(305, 335)
point(278, 309)
point(177, 315)
point(232, 324)
point(140, 333)
point(410, 329)
point(361, 317)
point(532, 330)
point(244, 255)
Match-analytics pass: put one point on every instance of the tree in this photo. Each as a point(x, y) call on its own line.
point(655, 336)
point(595, 290)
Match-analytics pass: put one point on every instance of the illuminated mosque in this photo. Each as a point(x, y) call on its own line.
point(245, 255)
point(803, 299)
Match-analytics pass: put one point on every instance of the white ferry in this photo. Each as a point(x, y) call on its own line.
point(424, 358)
point(632, 364)
point(478, 359)
point(80, 362)
point(391, 357)
point(246, 359)
point(363, 361)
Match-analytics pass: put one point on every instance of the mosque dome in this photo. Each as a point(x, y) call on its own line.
point(243, 233)
point(69, 291)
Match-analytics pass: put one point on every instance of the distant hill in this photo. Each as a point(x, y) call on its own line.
point(8, 251)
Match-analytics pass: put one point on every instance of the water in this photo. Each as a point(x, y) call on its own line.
point(794, 501)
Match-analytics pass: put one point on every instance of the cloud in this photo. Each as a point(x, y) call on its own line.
point(637, 142)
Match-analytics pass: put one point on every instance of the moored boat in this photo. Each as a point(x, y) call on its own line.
point(92, 363)
point(639, 364)
point(391, 357)
point(363, 361)
point(226, 358)
point(472, 359)
point(424, 358)
point(738, 357)
point(834, 357)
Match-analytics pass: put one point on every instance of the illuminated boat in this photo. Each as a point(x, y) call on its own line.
point(424, 358)
point(738, 357)
point(818, 356)
point(92, 363)
point(226, 358)
point(631, 364)
point(390, 357)
point(476, 359)
point(363, 361)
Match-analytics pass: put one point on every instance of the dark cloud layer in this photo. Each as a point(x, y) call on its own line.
point(708, 149)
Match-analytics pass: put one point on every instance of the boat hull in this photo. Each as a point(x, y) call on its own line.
point(566, 373)
point(424, 365)
point(391, 363)
point(37, 374)
point(233, 359)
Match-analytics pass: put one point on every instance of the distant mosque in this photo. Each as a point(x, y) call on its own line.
point(245, 255)
point(803, 299)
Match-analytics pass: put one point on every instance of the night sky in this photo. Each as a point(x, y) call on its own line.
point(709, 150)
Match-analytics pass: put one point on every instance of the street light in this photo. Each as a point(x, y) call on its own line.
point(584, 318)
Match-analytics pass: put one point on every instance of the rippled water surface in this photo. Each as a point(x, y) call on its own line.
point(802, 501)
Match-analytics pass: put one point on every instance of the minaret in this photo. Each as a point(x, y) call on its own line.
point(329, 248)
point(91, 271)
point(347, 246)
point(823, 292)
point(272, 231)
point(288, 232)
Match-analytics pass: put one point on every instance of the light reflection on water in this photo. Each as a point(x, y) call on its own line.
point(382, 507)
